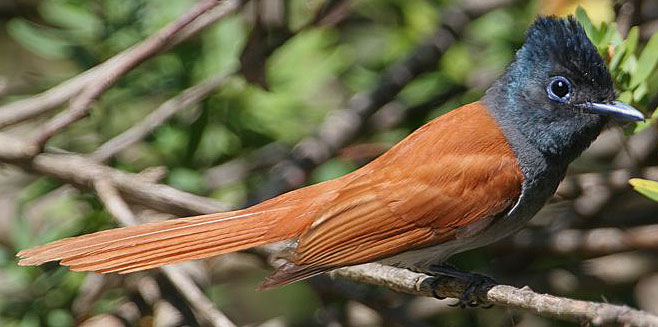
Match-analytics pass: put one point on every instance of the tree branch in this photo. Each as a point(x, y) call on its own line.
point(185, 99)
point(82, 172)
point(19, 111)
point(80, 105)
point(584, 312)
point(190, 291)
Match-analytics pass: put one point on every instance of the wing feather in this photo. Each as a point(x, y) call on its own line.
point(426, 190)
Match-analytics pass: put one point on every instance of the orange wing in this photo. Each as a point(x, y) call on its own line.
point(451, 173)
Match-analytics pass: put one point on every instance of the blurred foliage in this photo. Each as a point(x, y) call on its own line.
point(310, 75)
point(633, 71)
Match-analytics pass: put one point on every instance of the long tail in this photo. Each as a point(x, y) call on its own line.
point(140, 247)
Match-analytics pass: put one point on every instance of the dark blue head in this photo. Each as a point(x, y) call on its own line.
point(558, 93)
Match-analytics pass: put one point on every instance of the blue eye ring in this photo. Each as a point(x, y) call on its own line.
point(559, 89)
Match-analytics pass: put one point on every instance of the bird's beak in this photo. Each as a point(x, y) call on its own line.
point(617, 110)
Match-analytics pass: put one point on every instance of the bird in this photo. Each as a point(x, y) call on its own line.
point(463, 180)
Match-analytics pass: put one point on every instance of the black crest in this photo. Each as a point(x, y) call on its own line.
point(563, 41)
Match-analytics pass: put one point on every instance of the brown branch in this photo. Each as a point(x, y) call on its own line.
point(190, 291)
point(83, 172)
point(107, 320)
point(196, 297)
point(81, 104)
point(19, 111)
point(113, 202)
point(584, 312)
point(185, 99)
point(239, 168)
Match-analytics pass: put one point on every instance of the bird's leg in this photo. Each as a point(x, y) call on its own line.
point(475, 284)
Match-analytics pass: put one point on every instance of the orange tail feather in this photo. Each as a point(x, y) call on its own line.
point(140, 247)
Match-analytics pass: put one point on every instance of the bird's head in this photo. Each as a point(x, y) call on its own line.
point(558, 92)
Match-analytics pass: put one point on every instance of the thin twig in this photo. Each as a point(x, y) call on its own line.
point(195, 297)
point(81, 104)
point(190, 291)
point(82, 172)
point(239, 168)
point(19, 111)
point(185, 99)
point(109, 195)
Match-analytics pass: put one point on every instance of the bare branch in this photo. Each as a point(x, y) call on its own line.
point(373, 298)
point(584, 312)
point(90, 292)
point(80, 105)
point(185, 99)
point(239, 168)
point(195, 297)
point(105, 320)
point(22, 110)
point(190, 291)
point(113, 202)
point(82, 172)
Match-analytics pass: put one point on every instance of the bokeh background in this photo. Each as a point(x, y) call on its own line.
point(287, 66)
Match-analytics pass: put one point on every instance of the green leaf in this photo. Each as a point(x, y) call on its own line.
point(188, 180)
point(645, 187)
point(640, 92)
point(632, 39)
point(41, 41)
point(607, 35)
point(626, 96)
point(625, 50)
point(642, 125)
point(82, 23)
point(629, 65)
point(620, 52)
point(592, 32)
point(59, 317)
point(646, 62)
point(37, 189)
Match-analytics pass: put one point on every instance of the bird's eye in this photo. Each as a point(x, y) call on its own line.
point(559, 89)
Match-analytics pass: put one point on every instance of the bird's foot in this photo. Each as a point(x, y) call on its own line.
point(476, 284)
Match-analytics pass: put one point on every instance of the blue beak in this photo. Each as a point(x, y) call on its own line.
point(616, 110)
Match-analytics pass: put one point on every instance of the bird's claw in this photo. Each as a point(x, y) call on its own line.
point(468, 298)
